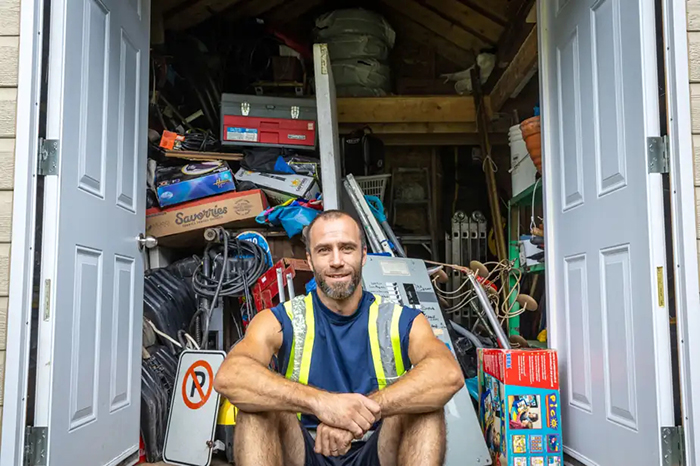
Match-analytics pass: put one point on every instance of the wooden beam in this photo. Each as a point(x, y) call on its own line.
point(511, 40)
point(409, 29)
point(496, 8)
point(406, 109)
point(518, 73)
point(196, 13)
point(437, 24)
point(470, 19)
point(252, 8)
point(411, 128)
point(290, 11)
point(449, 139)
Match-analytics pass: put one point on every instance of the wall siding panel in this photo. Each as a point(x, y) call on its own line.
point(9, 58)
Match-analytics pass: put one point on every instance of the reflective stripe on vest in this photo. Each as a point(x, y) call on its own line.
point(301, 312)
point(385, 341)
point(384, 337)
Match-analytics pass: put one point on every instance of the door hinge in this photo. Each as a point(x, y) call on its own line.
point(657, 152)
point(35, 443)
point(48, 157)
point(672, 446)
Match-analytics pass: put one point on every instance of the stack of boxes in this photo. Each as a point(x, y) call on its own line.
point(519, 407)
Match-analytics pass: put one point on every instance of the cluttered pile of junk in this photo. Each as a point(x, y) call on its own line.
point(234, 177)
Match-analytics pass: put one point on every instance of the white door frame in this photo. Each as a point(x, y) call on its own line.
point(24, 220)
point(685, 252)
point(23, 232)
point(685, 248)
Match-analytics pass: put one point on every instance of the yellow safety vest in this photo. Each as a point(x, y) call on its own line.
point(384, 338)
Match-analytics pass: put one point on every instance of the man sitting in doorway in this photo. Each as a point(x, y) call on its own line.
point(345, 395)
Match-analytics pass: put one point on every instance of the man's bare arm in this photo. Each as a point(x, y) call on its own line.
point(432, 382)
point(245, 379)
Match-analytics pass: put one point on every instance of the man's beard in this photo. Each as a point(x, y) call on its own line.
point(339, 291)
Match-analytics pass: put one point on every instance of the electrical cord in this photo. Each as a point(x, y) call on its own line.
point(238, 264)
point(200, 141)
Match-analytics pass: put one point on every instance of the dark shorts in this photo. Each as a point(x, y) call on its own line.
point(360, 454)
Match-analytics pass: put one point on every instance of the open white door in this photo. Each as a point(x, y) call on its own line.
point(604, 226)
point(88, 376)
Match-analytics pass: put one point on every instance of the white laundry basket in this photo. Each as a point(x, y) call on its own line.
point(374, 185)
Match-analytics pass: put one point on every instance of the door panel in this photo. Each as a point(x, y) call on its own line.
point(605, 230)
point(94, 213)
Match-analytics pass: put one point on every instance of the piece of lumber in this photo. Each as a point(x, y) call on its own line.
point(412, 128)
point(498, 9)
point(290, 11)
point(407, 109)
point(437, 24)
point(192, 14)
point(445, 139)
point(470, 19)
point(252, 8)
point(492, 185)
point(512, 38)
point(204, 156)
point(406, 27)
point(518, 73)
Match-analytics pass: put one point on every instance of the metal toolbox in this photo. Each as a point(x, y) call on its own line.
point(251, 120)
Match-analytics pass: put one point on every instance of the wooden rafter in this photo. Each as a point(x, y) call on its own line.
point(437, 24)
point(290, 11)
point(521, 69)
point(253, 8)
point(468, 18)
point(511, 40)
point(496, 8)
point(195, 13)
point(408, 28)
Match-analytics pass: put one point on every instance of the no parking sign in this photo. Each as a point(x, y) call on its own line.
point(193, 409)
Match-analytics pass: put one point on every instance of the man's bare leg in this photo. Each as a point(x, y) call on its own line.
point(413, 439)
point(268, 439)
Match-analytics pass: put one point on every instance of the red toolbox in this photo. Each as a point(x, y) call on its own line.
point(252, 120)
point(265, 289)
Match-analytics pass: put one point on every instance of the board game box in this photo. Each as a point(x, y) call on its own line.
point(519, 407)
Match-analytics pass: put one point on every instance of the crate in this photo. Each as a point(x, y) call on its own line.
point(374, 185)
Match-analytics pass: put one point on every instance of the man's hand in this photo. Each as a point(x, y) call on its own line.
point(331, 441)
point(348, 411)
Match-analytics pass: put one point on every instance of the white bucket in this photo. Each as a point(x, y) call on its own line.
point(523, 171)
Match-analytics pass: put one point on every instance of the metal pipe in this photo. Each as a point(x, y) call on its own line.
point(280, 286)
point(290, 286)
point(490, 314)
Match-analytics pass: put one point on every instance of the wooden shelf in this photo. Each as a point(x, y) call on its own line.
point(525, 197)
point(407, 109)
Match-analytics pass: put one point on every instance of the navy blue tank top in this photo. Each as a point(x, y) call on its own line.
point(341, 359)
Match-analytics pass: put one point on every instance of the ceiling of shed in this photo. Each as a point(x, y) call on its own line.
point(456, 29)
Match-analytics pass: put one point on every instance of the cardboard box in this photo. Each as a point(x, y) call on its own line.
point(196, 180)
point(205, 213)
point(280, 188)
point(519, 407)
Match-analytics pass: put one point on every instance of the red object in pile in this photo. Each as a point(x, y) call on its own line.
point(279, 131)
point(484, 282)
point(265, 289)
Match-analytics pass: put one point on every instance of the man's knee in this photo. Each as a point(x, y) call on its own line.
point(433, 421)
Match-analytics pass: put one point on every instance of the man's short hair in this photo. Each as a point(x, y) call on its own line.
point(332, 215)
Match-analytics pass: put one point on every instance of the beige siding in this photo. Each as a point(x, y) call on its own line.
point(9, 56)
point(694, 64)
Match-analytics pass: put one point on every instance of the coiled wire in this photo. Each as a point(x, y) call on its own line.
point(227, 270)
